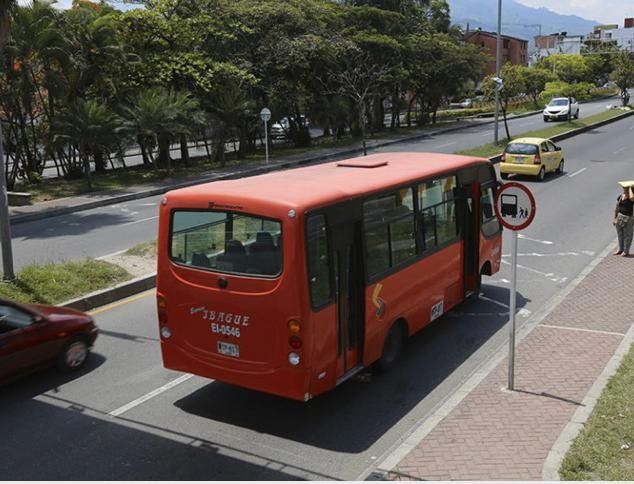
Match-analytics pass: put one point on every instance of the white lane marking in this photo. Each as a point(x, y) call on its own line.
point(147, 396)
point(149, 204)
point(548, 275)
point(619, 150)
point(545, 242)
point(577, 172)
point(138, 221)
point(522, 313)
point(446, 144)
point(488, 299)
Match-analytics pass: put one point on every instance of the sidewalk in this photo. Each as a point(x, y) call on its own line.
point(563, 360)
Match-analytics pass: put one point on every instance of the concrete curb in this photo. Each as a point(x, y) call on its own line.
point(112, 294)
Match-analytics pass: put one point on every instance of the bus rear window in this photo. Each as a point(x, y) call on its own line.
point(226, 242)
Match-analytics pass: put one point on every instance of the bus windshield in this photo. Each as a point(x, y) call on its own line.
point(226, 242)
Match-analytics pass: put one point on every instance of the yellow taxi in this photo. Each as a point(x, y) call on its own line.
point(531, 156)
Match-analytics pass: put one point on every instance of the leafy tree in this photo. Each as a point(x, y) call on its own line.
point(599, 58)
point(568, 68)
point(623, 74)
point(535, 80)
point(514, 84)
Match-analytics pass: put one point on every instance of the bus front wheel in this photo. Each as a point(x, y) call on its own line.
point(392, 347)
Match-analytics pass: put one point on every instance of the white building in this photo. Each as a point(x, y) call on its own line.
point(623, 37)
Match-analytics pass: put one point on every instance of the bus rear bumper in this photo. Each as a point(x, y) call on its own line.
point(289, 382)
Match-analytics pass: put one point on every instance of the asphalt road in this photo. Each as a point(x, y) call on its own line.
point(90, 233)
point(125, 417)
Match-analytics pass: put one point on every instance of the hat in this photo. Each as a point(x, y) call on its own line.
point(627, 183)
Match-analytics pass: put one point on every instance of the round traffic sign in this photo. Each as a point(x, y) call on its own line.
point(265, 114)
point(514, 206)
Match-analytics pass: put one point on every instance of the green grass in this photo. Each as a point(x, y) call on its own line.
point(600, 451)
point(491, 149)
point(146, 249)
point(56, 283)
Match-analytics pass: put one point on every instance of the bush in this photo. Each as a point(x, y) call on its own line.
point(580, 90)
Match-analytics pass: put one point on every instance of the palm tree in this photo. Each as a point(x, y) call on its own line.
point(90, 129)
point(160, 116)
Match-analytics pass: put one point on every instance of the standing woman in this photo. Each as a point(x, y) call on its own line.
point(624, 220)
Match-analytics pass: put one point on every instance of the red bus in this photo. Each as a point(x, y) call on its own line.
point(292, 282)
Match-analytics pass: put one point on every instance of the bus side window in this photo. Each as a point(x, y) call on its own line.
point(438, 209)
point(490, 224)
point(318, 261)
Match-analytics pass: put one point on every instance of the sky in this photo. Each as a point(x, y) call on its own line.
point(604, 11)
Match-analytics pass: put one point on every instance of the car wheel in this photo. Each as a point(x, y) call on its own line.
point(560, 168)
point(504, 176)
point(577, 114)
point(542, 174)
point(74, 354)
point(391, 348)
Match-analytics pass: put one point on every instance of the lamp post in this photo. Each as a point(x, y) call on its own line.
point(265, 115)
point(497, 72)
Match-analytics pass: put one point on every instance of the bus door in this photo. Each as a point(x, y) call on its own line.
point(345, 230)
point(471, 228)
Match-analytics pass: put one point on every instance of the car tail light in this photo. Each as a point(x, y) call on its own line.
point(503, 157)
point(161, 307)
point(537, 160)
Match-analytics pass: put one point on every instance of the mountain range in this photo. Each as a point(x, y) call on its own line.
point(517, 20)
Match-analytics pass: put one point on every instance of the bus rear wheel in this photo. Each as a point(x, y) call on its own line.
point(392, 347)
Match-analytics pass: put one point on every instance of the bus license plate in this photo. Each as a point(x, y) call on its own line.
point(228, 349)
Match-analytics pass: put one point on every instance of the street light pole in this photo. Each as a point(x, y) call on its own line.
point(5, 227)
point(497, 72)
point(265, 115)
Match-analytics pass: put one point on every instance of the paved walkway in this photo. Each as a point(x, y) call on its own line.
point(563, 360)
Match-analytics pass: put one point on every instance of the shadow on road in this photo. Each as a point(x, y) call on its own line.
point(78, 223)
point(355, 415)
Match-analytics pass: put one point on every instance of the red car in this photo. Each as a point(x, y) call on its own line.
point(32, 335)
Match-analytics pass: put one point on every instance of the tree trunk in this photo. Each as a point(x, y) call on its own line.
point(100, 162)
point(184, 150)
point(362, 125)
point(164, 158)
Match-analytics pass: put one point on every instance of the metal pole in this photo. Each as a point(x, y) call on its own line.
point(5, 227)
point(266, 141)
point(497, 72)
point(512, 309)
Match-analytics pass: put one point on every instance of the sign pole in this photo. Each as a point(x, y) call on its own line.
point(265, 115)
point(512, 309)
point(266, 141)
point(515, 210)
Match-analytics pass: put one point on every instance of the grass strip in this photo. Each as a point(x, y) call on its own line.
point(604, 450)
point(492, 149)
point(56, 283)
point(146, 249)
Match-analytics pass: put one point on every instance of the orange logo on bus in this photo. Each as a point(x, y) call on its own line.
point(377, 301)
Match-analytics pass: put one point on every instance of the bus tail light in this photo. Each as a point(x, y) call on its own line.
point(294, 359)
point(294, 326)
point(161, 308)
point(295, 342)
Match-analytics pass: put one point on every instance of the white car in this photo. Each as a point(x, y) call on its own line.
point(558, 108)
point(280, 129)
